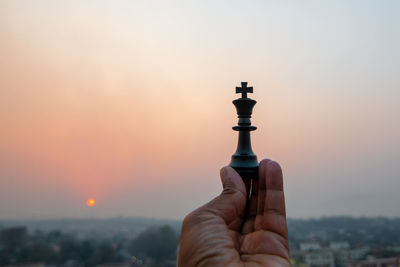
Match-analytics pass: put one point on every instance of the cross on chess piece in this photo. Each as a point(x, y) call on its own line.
point(244, 161)
point(244, 89)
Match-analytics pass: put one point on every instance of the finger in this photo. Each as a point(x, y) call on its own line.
point(247, 183)
point(230, 204)
point(261, 193)
point(248, 225)
point(246, 222)
point(253, 198)
point(274, 218)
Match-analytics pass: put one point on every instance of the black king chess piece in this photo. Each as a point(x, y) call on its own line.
point(244, 161)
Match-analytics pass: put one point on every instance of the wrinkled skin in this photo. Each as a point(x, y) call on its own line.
point(227, 232)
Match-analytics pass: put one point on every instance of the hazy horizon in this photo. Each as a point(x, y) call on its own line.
point(179, 220)
point(129, 103)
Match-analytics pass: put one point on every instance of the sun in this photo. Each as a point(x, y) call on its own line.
point(90, 202)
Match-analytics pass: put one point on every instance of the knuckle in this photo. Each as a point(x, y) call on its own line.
point(229, 190)
point(187, 219)
point(191, 218)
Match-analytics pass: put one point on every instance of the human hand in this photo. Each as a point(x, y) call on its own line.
point(233, 231)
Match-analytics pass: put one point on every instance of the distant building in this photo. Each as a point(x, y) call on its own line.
point(27, 265)
point(341, 257)
point(383, 262)
point(125, 264)
point(358, 253)
point(321, 258)
point(310, 246)
point(339, 245)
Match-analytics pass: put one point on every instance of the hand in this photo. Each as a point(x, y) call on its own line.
point(233, 231)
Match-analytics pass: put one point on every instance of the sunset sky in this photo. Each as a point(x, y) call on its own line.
point(129, 103)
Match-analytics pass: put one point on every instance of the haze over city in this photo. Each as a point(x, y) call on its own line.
point(129, 103)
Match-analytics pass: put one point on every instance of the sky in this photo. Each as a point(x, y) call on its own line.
point(129, 103)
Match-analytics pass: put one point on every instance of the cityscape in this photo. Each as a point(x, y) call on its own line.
point(324, 242)
point(118, 117)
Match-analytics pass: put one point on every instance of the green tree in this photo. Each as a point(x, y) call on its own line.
point(159, 244)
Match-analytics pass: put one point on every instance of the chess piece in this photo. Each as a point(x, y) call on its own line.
point(244, 161)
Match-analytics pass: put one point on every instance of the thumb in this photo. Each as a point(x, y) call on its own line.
point(230, 204)
point(231, 181)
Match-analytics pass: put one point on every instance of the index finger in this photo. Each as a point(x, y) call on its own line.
point(271, 212)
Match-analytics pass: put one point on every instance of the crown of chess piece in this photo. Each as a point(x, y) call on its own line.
point(244, 161)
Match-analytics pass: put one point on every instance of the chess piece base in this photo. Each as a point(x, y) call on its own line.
point(247, 173)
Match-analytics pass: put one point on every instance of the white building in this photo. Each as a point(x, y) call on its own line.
point(321, 258)
point(384, 262)
point(358, 253)
point(310, 246)
point(339, 245)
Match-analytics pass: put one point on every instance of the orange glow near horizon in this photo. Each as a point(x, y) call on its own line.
point(90, 202)
point(133, 104)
